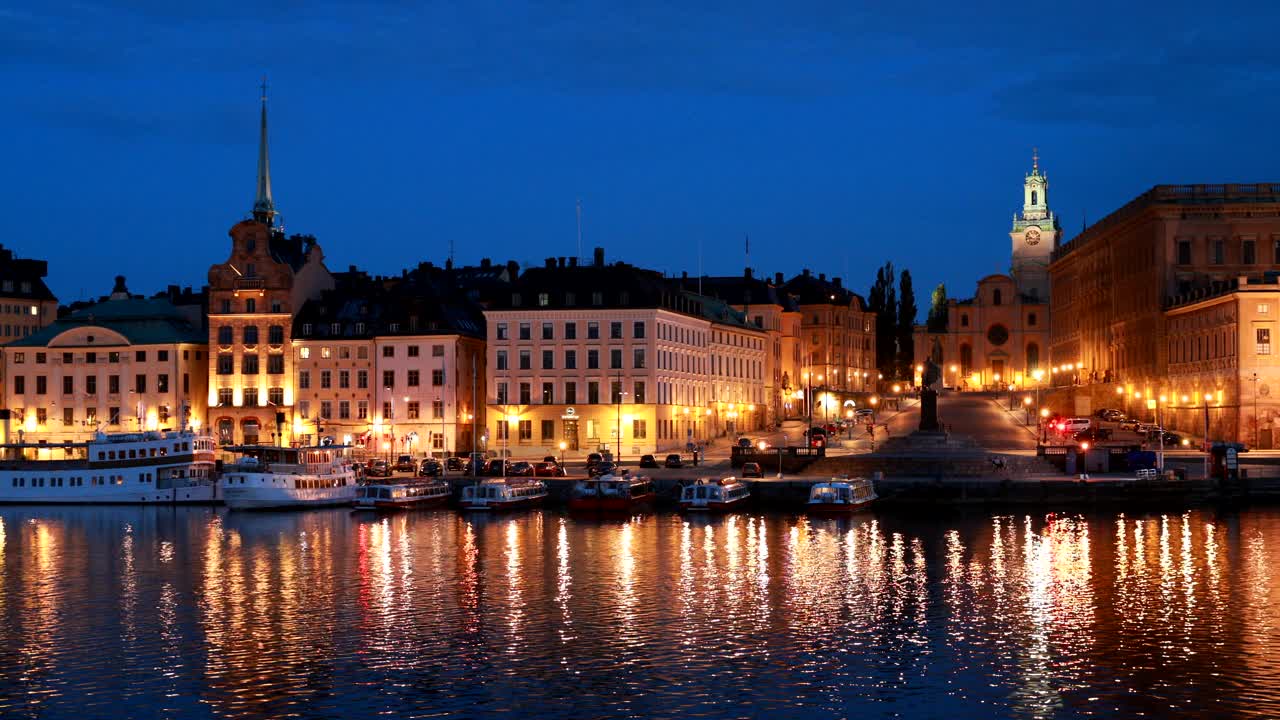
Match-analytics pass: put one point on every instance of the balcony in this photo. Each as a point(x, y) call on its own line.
point(250, 283)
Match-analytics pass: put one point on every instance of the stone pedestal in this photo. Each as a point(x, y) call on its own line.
point(929, 410)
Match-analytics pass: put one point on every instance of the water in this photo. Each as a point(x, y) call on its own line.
point(191, 613)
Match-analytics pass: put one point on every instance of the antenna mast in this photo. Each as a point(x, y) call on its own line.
point(579, 209)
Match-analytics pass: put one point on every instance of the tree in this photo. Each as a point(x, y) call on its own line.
point(938, 310)
point(882, 299)
point(906, 324)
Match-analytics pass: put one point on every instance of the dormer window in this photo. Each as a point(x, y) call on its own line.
point(515, 299)
point(544, 299)
point(597, 298)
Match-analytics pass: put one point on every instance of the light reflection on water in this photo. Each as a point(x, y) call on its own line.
point(153, 612)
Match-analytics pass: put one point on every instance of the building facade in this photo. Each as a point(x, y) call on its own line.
point(26, 303)
point(123, 364)
point(1168, 297)
point(837, 345)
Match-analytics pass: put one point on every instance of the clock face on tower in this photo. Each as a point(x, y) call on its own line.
point(1032, 235)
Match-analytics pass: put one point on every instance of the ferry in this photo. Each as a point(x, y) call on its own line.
point(266, 477)
point(611, 493)
point(149, 467)
point(840, 496)
point(714, 495)
point(504, 494)
point(403, 496)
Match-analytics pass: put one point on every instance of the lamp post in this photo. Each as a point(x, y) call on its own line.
point(563, 446)
point(1038, 374)
point(1159, 407)
point(1044, 430)
point(1257, 427)
point(1026, 406)
point(1207, 398)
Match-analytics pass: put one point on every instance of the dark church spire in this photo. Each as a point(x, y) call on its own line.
point(264, 209)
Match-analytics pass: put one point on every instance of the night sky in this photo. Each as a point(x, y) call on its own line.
point(835, 138)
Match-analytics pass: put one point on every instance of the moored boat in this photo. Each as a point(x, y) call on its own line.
point(840, 496)
point(415, 494)
point(503, 494)
point(714, 495)
point(267, 477)
point(149, 467)
point(611, 493)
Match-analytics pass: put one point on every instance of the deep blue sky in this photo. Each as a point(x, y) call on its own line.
point(838, 138)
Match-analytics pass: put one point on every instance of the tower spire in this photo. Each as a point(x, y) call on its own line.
point(1035, 160)
point(264, 209)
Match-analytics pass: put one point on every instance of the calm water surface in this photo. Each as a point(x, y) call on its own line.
point(190, 613)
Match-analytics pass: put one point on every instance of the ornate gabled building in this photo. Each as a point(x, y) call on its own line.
point(999, 337)
point(26, 303)
point(253, 297)
point(837, 342)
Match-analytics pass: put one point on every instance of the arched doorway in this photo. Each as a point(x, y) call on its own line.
point(251, 429)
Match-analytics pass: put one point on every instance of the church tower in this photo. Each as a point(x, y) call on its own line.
point(264, 208)
point(1036, 232)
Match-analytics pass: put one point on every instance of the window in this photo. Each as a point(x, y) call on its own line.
point(995, 296)
point(275, 364)
point(68, 385)
point(362, 379)
point(571, 331)
point(275, 335)
point(501, 331)
point(412, 379)
point(526, 429)
point(388, 378)
point(224, 335)
point(250, 334)
point(326, 409)
point(344, 379)
point(326, 379)
point(615, 331)
point(593, 331)
point(42, 385)
point(251, 397)
point(304, 353)
point(637, 329)
point(1248, 252)
point(249, 364)
point(387, 410)
point(525, 331)
point(304, 379)
point(91, 384)
point(502, 393)
point(414, 409)
point(19, 385)
point(504, 430)
point(593, 359)
point(615, 359)
point(570, 359)
point(437, 377)
point(597, 298)
point(40, 357)
point(502, 359)
point(19, 358)
point(571, 393)
point(277, 306)
point(593, 394)
point(548, 430)
point(1264, 308)
point(113, 415)
point(275, 395)
point(548, 360)
point(344, 409)
point(964, 321)
point(325, 353)
point(437, 351)
point(225, 305)
point(638, 358)
point(638, 397)
point(362, 409)
point(1031, 319)
point(68, 417)
point(548, 393)
point(1219, 253)
point(162, 383)
point(413, 351)
point(544, 299)
point(437, 409)
point(1264, 341)
point(639, 429)
point(548, 331)
point(525, 393)
point(388, 351)
point(525, 361)
point(615, 392)
point(251, 305)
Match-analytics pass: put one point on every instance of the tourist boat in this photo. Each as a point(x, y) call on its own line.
point(155, 466)
point(268, 477)
point(714, 495)
point(611, 493)
point(403, 496)
point(503, 494)
point(840, 496)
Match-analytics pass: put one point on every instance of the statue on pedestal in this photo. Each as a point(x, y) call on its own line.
point(929, 397)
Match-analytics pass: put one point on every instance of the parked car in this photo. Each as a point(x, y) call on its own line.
point(1113, 415)
point(673, 461)
point(454, 464)
point(377, 468)
point(864, 412)
point(817, 437)
point(1105, 413)
point(405, 463)
point(1093, 434)
point(1170, 439)
point(548, 469)
point(1130, 424)
point(495, 467)
point(745, 443)
point(752, 470)
point(430, 467)
point(594, 459)
point(520, 468)
point(648, 461)
point(1074, 425)
point(604, 467)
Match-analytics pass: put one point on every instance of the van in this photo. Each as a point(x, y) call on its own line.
point(1076, 424)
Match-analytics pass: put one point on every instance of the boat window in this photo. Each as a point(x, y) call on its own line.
point(702, 492)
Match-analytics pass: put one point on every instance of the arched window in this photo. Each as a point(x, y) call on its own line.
point(966, 358)
point(1033, 197)
point(1033, 356)
point(250, 334)
point(224, 335)
point(995, 296)
point(1031, 319)
point(964, 321)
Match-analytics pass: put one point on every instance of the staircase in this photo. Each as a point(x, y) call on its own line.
point(932, 455)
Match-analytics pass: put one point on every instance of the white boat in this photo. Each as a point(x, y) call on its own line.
point(503, 494)
point(149, 467)
point(268, 477)
point(714, 495)
point(431, 492)
point(840, 495)
point(611, 493)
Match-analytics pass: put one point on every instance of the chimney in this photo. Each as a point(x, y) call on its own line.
point(448, 264)
point(806, 272)
point(484, 263)
point(551, 263)
point(836, 281)
point(560, 260)
point(822, 277)
point(599, 257)
point(573, 262)
point(747, 273)
point(684, 275)
point(777, 279)
point(513, 269)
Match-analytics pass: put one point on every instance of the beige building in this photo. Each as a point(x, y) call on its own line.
point(124, 364)
point(837, 343)
point(26, 303)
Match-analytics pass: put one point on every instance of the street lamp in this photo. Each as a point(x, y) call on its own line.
point(1026, 406)
point(563, 446)
point(1207, 398)
point(1044, 428)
